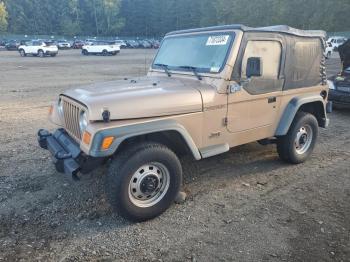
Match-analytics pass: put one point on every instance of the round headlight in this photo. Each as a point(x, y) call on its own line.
point(60, 107)
point(83, 121)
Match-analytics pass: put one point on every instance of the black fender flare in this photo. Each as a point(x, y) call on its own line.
point(125, 132)
point(292, 109)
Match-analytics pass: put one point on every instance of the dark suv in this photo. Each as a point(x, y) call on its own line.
point(340, 88)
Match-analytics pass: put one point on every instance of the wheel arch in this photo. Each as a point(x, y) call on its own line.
point(167, 132)
point(309, 104)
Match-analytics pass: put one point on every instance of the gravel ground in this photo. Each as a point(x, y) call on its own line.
point(245, 205)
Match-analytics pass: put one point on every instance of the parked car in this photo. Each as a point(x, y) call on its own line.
point(336, 41)
point(100, 47)
point(329, 50)
point(38, 48)
point(340, 86)
point(89, 41)
point(145, 44)
point(63, 44)
point(207, 90)
point(78, 44)
point(121, 43)
point(2, 42)
point(132, 44)
point(12, 45)
point(156, 44)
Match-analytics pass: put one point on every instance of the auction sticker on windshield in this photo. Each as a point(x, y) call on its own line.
point(218, 40)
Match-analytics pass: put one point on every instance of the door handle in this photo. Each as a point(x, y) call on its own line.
point(272, 99)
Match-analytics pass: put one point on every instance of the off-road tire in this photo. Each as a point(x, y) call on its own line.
point(41, 53)
point(123, 167)
point(22, 53)
point(286, 145)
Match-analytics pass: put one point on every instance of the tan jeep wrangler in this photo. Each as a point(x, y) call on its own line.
point(207, 90)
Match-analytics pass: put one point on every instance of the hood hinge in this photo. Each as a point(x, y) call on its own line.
point(225, 121)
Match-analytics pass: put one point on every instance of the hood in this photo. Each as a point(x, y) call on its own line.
point(139, 98)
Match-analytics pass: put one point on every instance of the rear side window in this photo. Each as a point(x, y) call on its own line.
point(303, 63)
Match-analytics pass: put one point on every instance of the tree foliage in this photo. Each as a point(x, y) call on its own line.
point(156, 17)
point(3, 17)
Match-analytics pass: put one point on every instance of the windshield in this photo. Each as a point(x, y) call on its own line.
point(204, 52)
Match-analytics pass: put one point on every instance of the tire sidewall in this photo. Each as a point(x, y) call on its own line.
point(306, 119)
point(122, 181)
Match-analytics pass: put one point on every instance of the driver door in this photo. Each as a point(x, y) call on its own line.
point(254, 103)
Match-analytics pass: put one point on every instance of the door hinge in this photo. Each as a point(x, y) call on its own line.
point(225, 121)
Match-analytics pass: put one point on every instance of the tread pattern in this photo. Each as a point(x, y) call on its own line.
point(115, 181)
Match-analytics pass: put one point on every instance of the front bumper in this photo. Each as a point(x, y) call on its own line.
point(64, 150)
point(339, 97)
point(66, 153)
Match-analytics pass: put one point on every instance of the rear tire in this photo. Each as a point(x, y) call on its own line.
point(85, 52)
point(105, 53)
point(41, 53)
point(143, 181)
point(297, 146)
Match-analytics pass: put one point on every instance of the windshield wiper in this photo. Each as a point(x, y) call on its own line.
point(165, 67)
point(194, 70)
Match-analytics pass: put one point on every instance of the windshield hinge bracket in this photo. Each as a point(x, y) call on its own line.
point(225, 121)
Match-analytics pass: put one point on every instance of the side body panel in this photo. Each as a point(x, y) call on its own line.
point(252, 110)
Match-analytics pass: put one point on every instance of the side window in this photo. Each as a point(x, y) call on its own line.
point(261, 63)
point(269, 53)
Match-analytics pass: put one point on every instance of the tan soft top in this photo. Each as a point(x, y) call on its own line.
point(277, 29)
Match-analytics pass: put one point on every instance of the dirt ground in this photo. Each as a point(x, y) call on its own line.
point(245, 205)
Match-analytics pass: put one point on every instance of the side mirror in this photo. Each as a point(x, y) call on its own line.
point(254, 67)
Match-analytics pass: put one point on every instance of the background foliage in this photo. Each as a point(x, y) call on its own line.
point(156, 17)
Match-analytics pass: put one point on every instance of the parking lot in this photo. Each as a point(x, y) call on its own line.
point(245, 205)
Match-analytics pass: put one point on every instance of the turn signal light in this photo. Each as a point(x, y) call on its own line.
point(50, 110)
point(86, 138)
point(107, 142)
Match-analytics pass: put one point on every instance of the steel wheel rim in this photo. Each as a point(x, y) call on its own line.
point(303, 139)
point(149, 184)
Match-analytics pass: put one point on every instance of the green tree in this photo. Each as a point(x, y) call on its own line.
point(3, 17)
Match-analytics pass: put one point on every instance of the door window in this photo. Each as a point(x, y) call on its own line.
point(269, 53)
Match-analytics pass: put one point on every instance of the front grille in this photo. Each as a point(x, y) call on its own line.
point(71, 113)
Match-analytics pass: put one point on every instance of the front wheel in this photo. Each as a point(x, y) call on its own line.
point(143, 181)
point(104, 52)
point(299, 143)
point(85, 52)
point(22, 53)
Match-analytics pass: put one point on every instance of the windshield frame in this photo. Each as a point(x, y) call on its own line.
point(232, 34)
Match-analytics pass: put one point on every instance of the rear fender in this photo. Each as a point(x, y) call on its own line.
point(294, 106)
